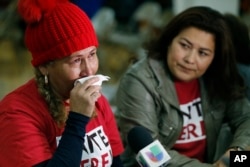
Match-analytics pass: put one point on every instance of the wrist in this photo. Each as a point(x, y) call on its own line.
point(236, 148)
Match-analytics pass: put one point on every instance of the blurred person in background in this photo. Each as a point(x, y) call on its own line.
point(48, 121)
point(90, 7)
point(184, 90)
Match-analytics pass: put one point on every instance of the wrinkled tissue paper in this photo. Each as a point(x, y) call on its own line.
point(100, 76)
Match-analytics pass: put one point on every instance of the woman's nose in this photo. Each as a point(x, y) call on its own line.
point(85, 69)
point(190, 57)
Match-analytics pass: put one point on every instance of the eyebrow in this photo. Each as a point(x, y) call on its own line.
point(92, 50)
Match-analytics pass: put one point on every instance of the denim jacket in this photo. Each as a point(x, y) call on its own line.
point(146, 96)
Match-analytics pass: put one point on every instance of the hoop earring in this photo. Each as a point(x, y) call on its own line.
point(46, 81)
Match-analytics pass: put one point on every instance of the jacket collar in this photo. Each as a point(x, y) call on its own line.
point(165, 85)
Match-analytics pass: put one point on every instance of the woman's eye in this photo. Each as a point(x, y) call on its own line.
point(184, 45)
point(92, 54)
point(77, 60)
point(203, 53)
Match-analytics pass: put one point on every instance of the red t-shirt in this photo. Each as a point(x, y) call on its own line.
point(192, 140)
point(28, 134)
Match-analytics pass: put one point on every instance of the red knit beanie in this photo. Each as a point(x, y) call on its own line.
point(55, 29)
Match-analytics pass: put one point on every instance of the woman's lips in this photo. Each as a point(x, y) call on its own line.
point(185, 69)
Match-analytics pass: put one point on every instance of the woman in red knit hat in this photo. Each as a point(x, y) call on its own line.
point(50, 121)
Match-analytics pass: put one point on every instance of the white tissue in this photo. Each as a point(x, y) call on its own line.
point(101, 79)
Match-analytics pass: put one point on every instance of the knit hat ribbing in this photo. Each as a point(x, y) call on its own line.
point(55, 29)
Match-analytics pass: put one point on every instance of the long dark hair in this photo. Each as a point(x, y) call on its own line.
point(221, 79)
point(240, 36)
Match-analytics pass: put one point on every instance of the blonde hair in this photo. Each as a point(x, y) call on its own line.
point(55, 103)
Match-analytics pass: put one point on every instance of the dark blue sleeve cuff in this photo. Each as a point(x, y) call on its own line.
point(69, 151)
